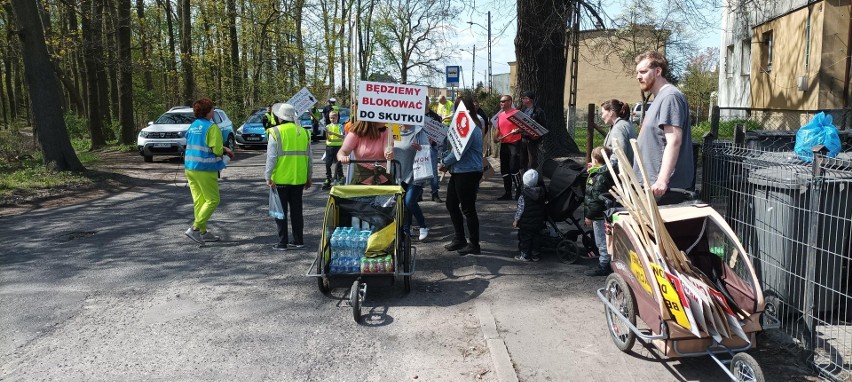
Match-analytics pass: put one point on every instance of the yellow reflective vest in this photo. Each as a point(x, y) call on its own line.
point(333, 140)
point(293, 163)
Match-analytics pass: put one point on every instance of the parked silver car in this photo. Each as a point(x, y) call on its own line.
point(167, 134)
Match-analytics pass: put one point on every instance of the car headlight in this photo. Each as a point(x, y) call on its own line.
point(181, 134)
point(240, 131)
point(143, 134)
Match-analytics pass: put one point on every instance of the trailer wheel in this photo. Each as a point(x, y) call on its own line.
point(567, 251)
point(620, 295)
point(355, 300)
point(745, 368)
point(322, 284)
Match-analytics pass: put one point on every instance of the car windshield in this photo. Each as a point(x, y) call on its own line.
point(256, 117)
point(305, 116)
point(344, 112)
point(176, 118)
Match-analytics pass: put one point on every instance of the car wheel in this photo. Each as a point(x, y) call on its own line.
point(148, 158)
point(231, 143)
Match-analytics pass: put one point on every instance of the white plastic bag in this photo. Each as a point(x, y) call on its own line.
point(275, 208)
point(422, 165)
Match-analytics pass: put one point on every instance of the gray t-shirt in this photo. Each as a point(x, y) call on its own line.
point(669, 108)
point(622, 132)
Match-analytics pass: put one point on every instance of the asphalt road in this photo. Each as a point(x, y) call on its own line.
point(111, 289)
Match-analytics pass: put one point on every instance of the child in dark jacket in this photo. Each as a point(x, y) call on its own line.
point(600, 182)
point(530, 215)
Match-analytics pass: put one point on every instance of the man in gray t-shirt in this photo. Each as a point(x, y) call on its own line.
point(665, 138)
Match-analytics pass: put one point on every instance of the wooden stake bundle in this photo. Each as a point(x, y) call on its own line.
point(701, 306)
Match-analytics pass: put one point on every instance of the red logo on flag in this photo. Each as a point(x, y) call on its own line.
point(462, 124)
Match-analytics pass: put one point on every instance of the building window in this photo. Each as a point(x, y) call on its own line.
point(729, 62)
point(745, 59)
point(766, 51)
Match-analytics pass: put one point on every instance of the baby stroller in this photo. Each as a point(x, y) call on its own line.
point(565, 193)
point(363, 241)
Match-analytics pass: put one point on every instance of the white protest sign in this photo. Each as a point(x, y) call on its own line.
point(461, 128)
point(302, 101)
point(436, 130)
point(527, 125)
point(391, 103)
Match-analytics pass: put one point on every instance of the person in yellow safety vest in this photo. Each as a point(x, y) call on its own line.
point(203, 159)
point(333, 141)
point(445, 110)
point(288, 169)
point(332, 105)
point(269, 118)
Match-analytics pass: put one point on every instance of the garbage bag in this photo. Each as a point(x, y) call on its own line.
point(275, 208)
point(819, 131)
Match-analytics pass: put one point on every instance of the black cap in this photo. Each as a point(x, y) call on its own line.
point(528, 94)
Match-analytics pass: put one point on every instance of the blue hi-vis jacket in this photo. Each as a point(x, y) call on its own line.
point(198, 155)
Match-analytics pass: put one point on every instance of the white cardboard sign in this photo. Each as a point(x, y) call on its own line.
point(436, 130)
point(391, 103)
point(302, 101)
point(527, 124)
point(461, 128)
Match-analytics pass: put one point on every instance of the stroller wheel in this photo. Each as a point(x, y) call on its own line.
point(567, 251)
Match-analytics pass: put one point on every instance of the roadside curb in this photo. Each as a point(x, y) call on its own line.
point(499, 353)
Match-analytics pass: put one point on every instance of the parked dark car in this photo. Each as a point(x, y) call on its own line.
point(319, 134)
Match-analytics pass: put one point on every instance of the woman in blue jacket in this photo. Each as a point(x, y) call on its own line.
point(463, 187)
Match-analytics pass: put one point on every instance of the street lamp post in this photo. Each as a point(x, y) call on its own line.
point(490, 82)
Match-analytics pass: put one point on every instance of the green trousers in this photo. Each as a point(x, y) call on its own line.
point(204, 186)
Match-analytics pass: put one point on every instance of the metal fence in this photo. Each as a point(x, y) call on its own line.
point(795, 220)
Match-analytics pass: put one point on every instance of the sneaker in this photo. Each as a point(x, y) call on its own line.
point(207, 236)
point(470, 249)
point(600, 271)
point(326, 185)
point(437, 199)
point(523, 258)
point(194, 235)
point(294, 245)
point(424, 232)
point(455, 245)
point(279, 247)
point(534, 258)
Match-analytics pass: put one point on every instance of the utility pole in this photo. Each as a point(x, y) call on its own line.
point(473, 71)
point(490, 82)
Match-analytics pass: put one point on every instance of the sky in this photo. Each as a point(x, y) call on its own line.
point(503, 27)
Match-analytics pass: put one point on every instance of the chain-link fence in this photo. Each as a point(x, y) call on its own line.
point(795, 220)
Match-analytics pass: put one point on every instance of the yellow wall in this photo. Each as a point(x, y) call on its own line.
point(777, 88)
point(833, 68)
point(601, 75)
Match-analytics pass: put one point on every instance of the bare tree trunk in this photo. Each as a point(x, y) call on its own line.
point(298, 10)
point(111, 45)
point(7, 67)
point(172, 60)
point(236, 72)
point(100, 68)
point(186, 51)
point(145, 46)
point(91, 37)
point(125, 66)
point(73, 96)
point(4, 101)
point(540, 52)
point(44, 91)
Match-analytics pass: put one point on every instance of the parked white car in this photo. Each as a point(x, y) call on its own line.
point(637, 111)
point(167, 134)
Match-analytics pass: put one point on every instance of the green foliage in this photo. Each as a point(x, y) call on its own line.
point(78, 127)
point(726, 128)
point(581, 134)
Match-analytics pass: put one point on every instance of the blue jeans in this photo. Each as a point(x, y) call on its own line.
point(412, 207)
point(600, 240)
point(434, 155)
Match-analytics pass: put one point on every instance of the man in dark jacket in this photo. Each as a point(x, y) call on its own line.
point(529, 145)
point(529, 217)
